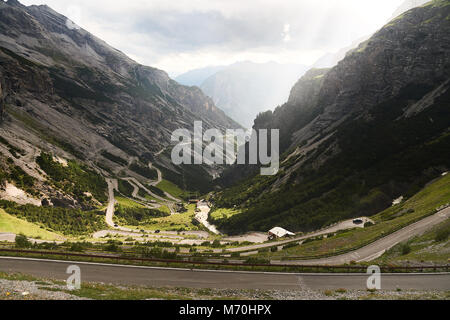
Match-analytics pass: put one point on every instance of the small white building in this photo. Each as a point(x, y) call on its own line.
point(278, 232)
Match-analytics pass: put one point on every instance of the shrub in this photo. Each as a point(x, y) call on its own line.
point(76, 247)
point(112, 247)
point(22, 242)
point(442, 235)
point(138, 216)
point(216, 244)
point(253, 260)
point(405, 249)
point(65, 220)
point(290, 245)
point(75, 179)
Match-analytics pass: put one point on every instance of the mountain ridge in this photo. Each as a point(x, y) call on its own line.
point(349, 144)
point(68, 93)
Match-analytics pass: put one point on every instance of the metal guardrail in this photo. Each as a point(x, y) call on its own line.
point(300, 268)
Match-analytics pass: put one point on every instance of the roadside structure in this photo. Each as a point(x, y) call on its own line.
point(278, 232)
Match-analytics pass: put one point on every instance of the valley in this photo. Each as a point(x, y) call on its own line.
point(87, 173)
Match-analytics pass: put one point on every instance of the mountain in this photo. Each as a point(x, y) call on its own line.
point(406, 6)
point(373, 128)
point(68, 93)
point(329, 59)
point(244, 89)
point(198, 76)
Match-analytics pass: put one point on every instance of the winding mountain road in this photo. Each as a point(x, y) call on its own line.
point(113, 185)
point(166, 277)
point(379, 247)
point(111, 203)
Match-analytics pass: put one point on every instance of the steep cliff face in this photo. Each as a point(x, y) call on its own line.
point(300, 109)
point(2, 103)
point(373, 128)
point(88, 95)
point(410, 51)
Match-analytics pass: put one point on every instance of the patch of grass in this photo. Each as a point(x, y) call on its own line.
point(125, 188)
point(11, 224)
point(17, 277)
point(423, 203)
point(137, 216)
point(223, 213)
point(62, 220)
point(157, 191)
point(175, 222)
point(424, 248)
point(127, 203)
point(144, 171)
point(173, 190)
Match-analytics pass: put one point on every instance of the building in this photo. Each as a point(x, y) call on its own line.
point(278, 232)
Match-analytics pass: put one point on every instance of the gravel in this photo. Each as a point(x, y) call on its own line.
point(29, 290)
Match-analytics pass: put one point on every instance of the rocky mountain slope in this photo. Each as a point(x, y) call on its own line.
point(66, 92)
point(406, 6)
point(330, 60)
point(371, 129)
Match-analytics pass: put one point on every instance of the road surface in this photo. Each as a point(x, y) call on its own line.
point(160, 178)
point(159, 277)
point(379, 247)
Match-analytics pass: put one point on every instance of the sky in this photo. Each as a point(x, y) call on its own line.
point(181, 35)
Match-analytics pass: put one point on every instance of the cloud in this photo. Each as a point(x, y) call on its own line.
point(180, 35)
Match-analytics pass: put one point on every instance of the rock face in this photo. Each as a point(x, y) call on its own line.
point(411, 51)
point(373, 128)
point(300, 109)
point(408, 5)
point(88, 94)
point(2, 103)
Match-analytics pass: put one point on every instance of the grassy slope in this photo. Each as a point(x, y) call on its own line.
point(221, 213)
point(174, 222)
point(128, 203)
point(423, 248)
point(172, 189)
point(423, 203)
point(10, 224)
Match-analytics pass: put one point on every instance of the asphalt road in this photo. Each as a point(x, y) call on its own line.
point(379, 247)
point(160, 277)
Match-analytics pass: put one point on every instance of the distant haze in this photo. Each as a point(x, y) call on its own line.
point(245, 89)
